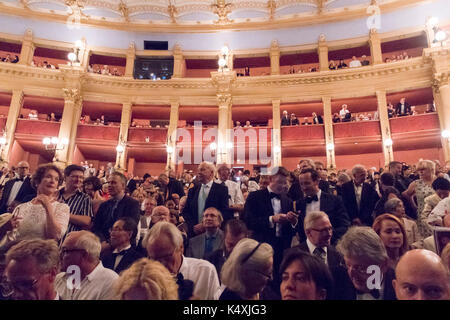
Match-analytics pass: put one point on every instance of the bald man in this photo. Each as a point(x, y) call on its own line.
point(421, 275)
point(17, 190)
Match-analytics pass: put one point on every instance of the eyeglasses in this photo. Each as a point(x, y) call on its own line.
point(67, 250)
point(23, 168)
point(327, 230)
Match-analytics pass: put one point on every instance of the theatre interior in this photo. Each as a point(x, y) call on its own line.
point(150, 85)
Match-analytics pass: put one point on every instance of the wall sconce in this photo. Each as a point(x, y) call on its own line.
point(388, 143)
point(439, 35)
point(74, 56)
point(330, 146)
point(223, 59)
point(169, 149)
point(53, 143)
point(120, 148)
point(445, 134)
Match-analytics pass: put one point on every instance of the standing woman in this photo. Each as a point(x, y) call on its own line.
point(43, 217)
point(422, 188)
point(392, 233)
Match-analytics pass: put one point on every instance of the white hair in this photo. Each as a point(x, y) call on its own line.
point(313, 217)
point(163, 228)
point(209, 165)
point(358, 168)
point(90, 242)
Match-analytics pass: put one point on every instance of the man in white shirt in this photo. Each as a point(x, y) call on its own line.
point(355, 63)
point(343, 111)
point(236, 199)
point(84, 276)
point(31, 267)
point(164, 243)
point(439, 212)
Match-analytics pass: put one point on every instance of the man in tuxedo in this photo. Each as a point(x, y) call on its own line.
point(324, 185)
point(317, 119)
point(211, 239)
point(205, 194)
point(317, 200)
point(366, 261)
point(118, 206)
point(123, 254)
point(285, 120)
point(359, 197)
point(403, 108)
point(269, 214)
point(18, 190)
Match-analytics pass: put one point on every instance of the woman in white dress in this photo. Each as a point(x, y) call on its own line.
point(43, 217)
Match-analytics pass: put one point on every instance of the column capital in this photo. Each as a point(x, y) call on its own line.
point(72, 95)
point(440, 80)
point(274, 48)
point(177, 51)
point(224, 100)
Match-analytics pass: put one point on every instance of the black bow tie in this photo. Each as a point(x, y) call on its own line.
point(19, 179)
point(121, 253)
point(374, 293)
point(311, 199)
point(274, 195)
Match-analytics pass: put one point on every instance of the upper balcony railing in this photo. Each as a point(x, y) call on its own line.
point(37, 127)
point(90, 131)
point(421, 122)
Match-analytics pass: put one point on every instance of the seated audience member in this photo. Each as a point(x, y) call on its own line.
point(285, 120)
point(146, 218)
point(317, 119)
point(31, 268)
point(441, 187)
point(305, 121)
point(430, 108)
point(33, 115)
point(140, 195)
point(164, 243)
point(7, 58)
point(115, 72)
point(344, 111)
point(43, 217)
point(211, 239)
point(391, 110)
point(146, 280)
point(92, 187)
point(428, 243)
point(332, 65)
point(105, 70)
point(82, 249)
point(439, 212)
point(336, 118)
point(234, 231)
point(305, 277)
point(362, 248)
point(364, 61)
point(247, 124)
point(247, 270)
point(90, 68)
point(405, 55)
point(355, 63)
point(123, 254)
point(392, 232)
point(421, 275)
point(403, 108)
point(395, 207)
point(238, 125)
point(342, 64)
point(294, 120)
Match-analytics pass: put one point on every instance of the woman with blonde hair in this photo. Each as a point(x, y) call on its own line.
point(146, 280)
point(391, 231)
point(421, 189)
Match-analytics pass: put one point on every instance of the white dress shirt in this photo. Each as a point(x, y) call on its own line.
point(312, 247)
point(14, 191)
point(358, 193)
point(355, 63)
point(204, 276)
point(98, 285)
point(234, 191)
point(276, 205)
point(314, 205)
point(119, 257)
point(439, 212)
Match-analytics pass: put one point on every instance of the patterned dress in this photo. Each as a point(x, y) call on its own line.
point(422, 191)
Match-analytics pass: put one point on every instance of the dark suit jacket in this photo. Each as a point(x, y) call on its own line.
point(105, 218)
point(349, 291)
point(131, 186)
point(130, 256)
point(369, 198)
point(174, 186)
point(217, 198)
point(26, 193)
point(407, 109)
point(294, 122)
point(318, 120)
point(257, 210)
point(217, 258)
point(335, 210)
point(285, 121)
point(196, 248)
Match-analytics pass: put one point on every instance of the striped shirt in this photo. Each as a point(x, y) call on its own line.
point(79, 204)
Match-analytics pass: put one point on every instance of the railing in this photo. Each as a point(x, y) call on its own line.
point(415, 123)
point(153, 135)
point(88, 131)
point(357, 129)
point(37, 127)
point(303, 132)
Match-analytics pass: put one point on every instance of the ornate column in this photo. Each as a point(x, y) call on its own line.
point(224, 81)
point(276, 133)
point(322, 51)
point(27, 51)
point(274, 58)
point(178, 62)
point(172, 134)
point(11, 123)
point(440, 58)
point(329, 135)
point(73, 100)
point(131, 55)
point(386, 138)
point(84, 54)
point(375, 47)
point(125, 120)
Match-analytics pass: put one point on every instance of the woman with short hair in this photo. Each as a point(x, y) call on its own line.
point(395, 207)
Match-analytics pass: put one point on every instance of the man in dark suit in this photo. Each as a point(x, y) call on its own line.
point(269, 214)
point(18, 190)
point(317, 200)
point(118, 206)
point(285, 120)
point(317, 119)
point(205, 194)
point(169, 186)
point(211, 239)
point(403, 108)
point(359, 197)
point(123, 254)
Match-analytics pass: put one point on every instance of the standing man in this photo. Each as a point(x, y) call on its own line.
point(285, 120)
point(236, 199)
point(119, 205)
point(80, 203)
point(403, 108)
point(169, 186)
point(18, 190)
point(205, 194)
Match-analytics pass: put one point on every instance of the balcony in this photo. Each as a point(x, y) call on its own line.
point(37, 128)
point(96, 132)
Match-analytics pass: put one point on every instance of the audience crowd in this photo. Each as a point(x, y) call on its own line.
point(219, 233)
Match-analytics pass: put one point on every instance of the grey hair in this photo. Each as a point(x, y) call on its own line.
point(45, 253)
point(234, 270)
point(312, 217)
point(343, 178)
point(310, 161)
point(358, 168)
point(162, 208)
point(209, 165)
point(391, 205)
point(89, 242)
point(363, 243)
point(163, 228)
